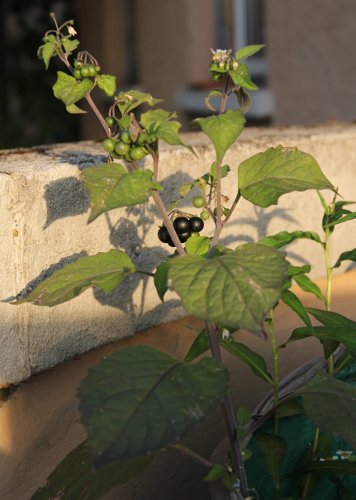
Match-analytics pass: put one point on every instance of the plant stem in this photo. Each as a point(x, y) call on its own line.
point(307, 481)
point(98, 114)
point(191, 453)
point(167, 222)
point(229, 416)
point(275, 353)
point(328, 287)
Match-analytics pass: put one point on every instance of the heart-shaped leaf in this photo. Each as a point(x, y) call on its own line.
point(105, 270)
point(69, 90)
point(139, 399)
point(110, 186)
point(264, 177)
point(236, 289)
point(222, 130)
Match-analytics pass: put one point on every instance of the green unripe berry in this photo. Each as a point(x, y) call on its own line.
point(121, 148)
point(84, 71)
point(137, 153)
point(97, 69)
point(78, 64)
point(125, 137)
point(77, 74)
point(204, 215)
point(109, 145)
point(92, 70)
point(110, 121)
point(198, 202)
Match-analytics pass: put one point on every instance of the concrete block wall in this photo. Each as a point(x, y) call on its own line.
point(44, 211)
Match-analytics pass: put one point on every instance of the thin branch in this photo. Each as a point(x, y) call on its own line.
point(192, 454)
point(168, 223)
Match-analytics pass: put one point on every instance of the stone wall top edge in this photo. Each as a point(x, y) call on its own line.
point(23, 160)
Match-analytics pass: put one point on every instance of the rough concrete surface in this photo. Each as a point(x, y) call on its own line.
point(44, 211)
point(40, 422)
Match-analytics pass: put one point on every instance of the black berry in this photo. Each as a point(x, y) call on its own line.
point(184, 236)
point(181, 225)
point(196, 224)
point(163, 235)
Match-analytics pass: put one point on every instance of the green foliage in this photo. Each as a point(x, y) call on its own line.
point(349, 255)
point(307, 285)
point(107, 83)
point(248, 51)
point(69, 44)
point(111, 186)
point(48, 49)
point(69, 90)
point(161, 400)
point(241, 76)
point(222, 130)
point(283, 238)
point(161, 279)
point(264, 177)
point(198, 347)
point(331, 404)
point(292, 301)
point(75, 477)
point(161, 123)
point(105, 270)
point(198, 245)
point(130, 100)
point(273, 448)
point(248, 282)
point(251, 358)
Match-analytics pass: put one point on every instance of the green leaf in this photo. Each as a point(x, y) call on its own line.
point(347, 217)
point(298, 270)
point(251, 358)
point(243, 98)
point(224, 170)
point(248, 51)
point(264, 177)
point(74, 109)
point(243, 416)
point(75, 477)
point(198, 347)
point(236, 289)
point(349, 255)
point(345, 336)
point(48, 49)
point(107, 83)
point(212, 93)
point(105, 270)
point(69, 90)
point(241, 76)
point(161, 123)
point(160, 279)
point(216, 472)
point(331, 404)
point(197, 245)
point(127, 101)
point(273, 449)
point(333, 319)
point(110, 186)
point(307, 285)
point(139, 399)
point(294, 303)
point(69, 45)
point(284, 238)
point(289, 409)
point(222, 130)
point(328, 467)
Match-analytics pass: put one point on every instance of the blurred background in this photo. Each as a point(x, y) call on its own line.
point(306, 74)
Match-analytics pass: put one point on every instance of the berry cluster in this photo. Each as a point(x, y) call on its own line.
point(123, 145)
point(184, 228)
point(82, 70)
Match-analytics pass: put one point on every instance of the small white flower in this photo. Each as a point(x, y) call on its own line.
point(71, 30)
